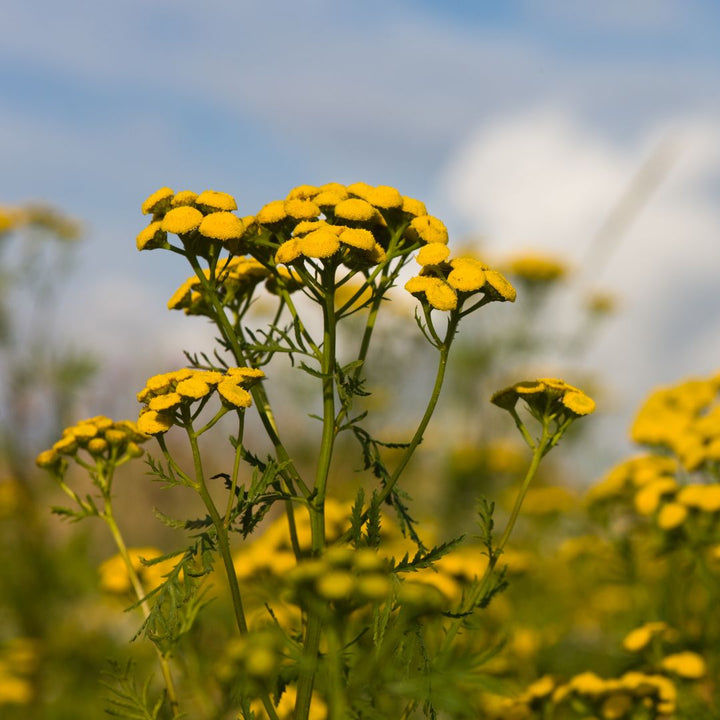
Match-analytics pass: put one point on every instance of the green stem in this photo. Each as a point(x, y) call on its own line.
point(260, 398)
point(109, 518)
point(480, 588)
point(317, 503)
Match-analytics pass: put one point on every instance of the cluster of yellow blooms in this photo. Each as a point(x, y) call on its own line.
point(684, 419)
point(167, 394)
point(442, 281)
point(38, 216)
point(98, 436)
point(356, 225)
point(546, 396)
point(234, 279)
point(614, 698)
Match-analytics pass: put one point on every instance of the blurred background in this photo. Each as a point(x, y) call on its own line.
point(584, 134)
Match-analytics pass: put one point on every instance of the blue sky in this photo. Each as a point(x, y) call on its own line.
point(521, 122)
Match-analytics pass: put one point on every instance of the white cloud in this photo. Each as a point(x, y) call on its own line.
point(547, 180)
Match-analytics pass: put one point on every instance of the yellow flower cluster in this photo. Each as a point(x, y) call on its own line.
point(41, 217)
point(114, 578)
point(546, 396)
point(19, 660)
point(642, 637)
point(442, 283)
point(534, 268)
point(235, 278)
point(684, 419)
point(198, 220)
point(166, 394)
point(652, 694)
point(100, 437)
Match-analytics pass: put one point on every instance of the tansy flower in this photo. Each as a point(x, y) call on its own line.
point(358, 238)
point(272, 213)
point(687, 665)
point(413, 207)
point(427, 229)
point(467, 274)
point(184, 197)
point(152, 422)
point(214, 200)
point(151, 237)
point(356, 210)
point(639, 638)
point(301, 209)
point(433, 254)
point(182, 220)
point(221, 226)
point(437, 292)
point(303, 192)
point(545, 396)
point(231, 392)
point(382, 196)
point(158, 202)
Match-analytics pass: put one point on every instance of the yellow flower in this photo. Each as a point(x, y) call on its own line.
point(328, 199)
point(319, 244)
point(232, 393)
point(184, 197)
point(182, 220)
point(355, 210)
point(536, 268)
point(151, 237)
point(427, 229)
point(158, 201)
point(303, 192)
point(413, 207)
point(671, 515)
point(301, 209)
point(687, 665)
point(437, 292)
point(639, 638)
point(222, 226)
point(247, 374)
point(382, 196)
point(701, 497)
point(47, 459)
point(501, 287)
point(358, 238)
point(194, 387)
point(433, 254)
point(151, 422)
point(273, 212)
point(578, 402)
point(467, 274)
point(648, 496)
point(216, 200)
point(288, 252)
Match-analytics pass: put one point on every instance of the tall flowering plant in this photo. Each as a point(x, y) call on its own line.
point(350, 622)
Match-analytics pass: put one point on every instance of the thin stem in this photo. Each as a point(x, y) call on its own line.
point(109, 518)
point(480, 588)
point(317, 504)
point(236, 469)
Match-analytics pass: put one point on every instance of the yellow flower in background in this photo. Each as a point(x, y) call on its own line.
point(114, 578)
point(639, 638)
point(536, 268)
point(688, 665)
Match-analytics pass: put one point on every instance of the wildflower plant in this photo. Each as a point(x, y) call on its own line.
point(351, 626)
